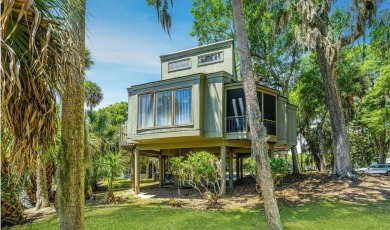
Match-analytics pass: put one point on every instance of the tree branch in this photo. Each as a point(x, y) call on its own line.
point(358, 29)
point(292, 65)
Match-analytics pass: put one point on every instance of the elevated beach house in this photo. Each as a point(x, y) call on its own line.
point(200, 105)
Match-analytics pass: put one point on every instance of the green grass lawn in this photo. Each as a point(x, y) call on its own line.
point(316, 215)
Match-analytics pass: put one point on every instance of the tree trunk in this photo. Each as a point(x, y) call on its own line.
point(363, 147)
point(71, 168)
point(42, 192)
point(87, 162)
point(300, 142)
point(294, 154)
point(342, 163)
point(258, 131)
point(382, 143)
point(321, 147)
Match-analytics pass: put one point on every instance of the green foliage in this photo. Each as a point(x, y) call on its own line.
point(88, 59)
point(363, 148)
point(249, 165)
point(376, 110)
point(213, 21)
point(109, 167)
point(104, 127)
point(200, 170)
point(278, 165)
point(93, 94)
point(274, 53)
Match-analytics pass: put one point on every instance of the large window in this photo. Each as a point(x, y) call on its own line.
point(159, 113)
point(269, 107)
point(183, 102)
point(235, 103)
point(236, 111)
point(164, 108)
point(146, 111)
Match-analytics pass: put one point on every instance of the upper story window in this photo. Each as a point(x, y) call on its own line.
point(146, 111)
point(269, 107)
point(210, 58)
point(236, 111)
point(183, 106)
point(171, 107)
point(178, 65)
point(164, 108)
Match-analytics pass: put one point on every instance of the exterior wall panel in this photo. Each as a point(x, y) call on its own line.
point(213, 100)
point(226, 65)
point(282, 120)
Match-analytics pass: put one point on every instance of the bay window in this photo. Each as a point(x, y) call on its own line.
point(171, 107)
point(164, 108)
point(183, 102)
point(146, 111)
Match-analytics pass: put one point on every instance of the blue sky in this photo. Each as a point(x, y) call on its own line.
point(126, 42)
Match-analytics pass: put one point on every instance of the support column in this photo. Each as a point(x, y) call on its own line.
point(153, 171)
point(241, 168)
point(160, 171)
point(147, 170)
point(133, 170)
point(230, 169)
point(137, 172)
point(237, 168)
point(223, 169)
point(271, 150)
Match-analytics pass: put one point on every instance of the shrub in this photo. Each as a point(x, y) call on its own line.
point(278, 167)
point(109, 167)
point(200, 170)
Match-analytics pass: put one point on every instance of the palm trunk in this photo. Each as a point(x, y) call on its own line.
point(42, 192)
point(294, 154)
point(71, 168)
point(342, 163)
point(87, 162)
point(258, 131)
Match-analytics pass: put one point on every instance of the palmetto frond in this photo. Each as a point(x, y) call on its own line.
point(110, 166)
point(33, 66)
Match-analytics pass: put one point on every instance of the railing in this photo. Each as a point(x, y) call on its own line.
point(236, 124)
point(123, 135)
point(270, 126)
point(239, 124)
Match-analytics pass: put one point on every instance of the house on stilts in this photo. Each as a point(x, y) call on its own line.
point(199, 105)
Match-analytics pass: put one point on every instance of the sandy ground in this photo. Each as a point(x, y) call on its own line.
point(292, 190)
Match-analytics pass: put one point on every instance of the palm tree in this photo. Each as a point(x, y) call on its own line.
point(32, 70)
point(93, 94)
point(11, 208)
point(110, 166)
point(40, 44)
point(88, 59)
point(70, 159)
point(31, 74)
